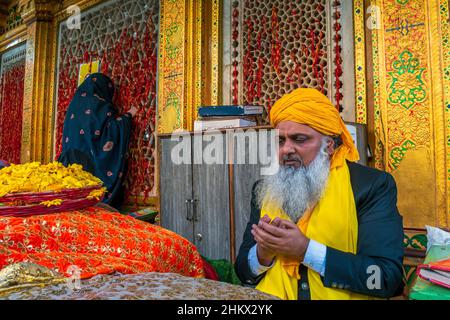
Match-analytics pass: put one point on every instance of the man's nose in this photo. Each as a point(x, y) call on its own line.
point(287, 148)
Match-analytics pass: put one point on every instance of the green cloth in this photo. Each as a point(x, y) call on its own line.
point(225, 270)
point(425, 290)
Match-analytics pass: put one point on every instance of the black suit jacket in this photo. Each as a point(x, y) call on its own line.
point(380, 241)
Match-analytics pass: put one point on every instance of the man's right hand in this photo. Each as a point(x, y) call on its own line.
point(265, 255)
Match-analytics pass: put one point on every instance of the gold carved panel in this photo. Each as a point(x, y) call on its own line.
point(411, 113)
point(188, 61)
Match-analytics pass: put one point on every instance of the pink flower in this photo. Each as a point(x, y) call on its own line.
point(119, 119)
point(88, 111)
point(109, 114)
point(81, 131)
point(97, 132)
point(67, 139)
point(72, 116)
point(108, 146)
point(109, 173)
point(84, 94)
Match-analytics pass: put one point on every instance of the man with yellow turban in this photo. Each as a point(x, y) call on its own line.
point(323, 226)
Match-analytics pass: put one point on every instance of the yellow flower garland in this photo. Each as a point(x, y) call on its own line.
point(36, 177)
point(97, 193)
point(50, 203)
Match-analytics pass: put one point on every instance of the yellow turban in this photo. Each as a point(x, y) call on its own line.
point(312, 108)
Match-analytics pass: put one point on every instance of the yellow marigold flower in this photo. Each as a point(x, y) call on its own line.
point(50, 203)
point(97, 194)
point(36, 177)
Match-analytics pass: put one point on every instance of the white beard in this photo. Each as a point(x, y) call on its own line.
point(297, 189)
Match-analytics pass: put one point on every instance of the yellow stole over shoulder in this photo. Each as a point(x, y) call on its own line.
point(333, 222)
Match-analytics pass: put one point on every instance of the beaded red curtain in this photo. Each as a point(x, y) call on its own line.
point(279, 45)
point(12, 75)
point(123, 36)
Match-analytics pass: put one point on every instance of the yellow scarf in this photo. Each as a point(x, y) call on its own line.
point(333, 222)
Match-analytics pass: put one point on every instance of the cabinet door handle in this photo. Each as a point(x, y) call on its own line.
point(189, 216)
point(194, 205)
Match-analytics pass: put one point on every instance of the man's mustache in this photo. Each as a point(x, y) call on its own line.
point(293, 157)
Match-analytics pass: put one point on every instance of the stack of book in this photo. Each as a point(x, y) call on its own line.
point(220, 117)
point(146, 214)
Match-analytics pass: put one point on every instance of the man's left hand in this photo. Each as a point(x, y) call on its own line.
point(286, 239)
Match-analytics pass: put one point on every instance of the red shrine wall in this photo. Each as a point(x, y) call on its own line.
point(278, 46)
point(123, 36)
point(12, 72)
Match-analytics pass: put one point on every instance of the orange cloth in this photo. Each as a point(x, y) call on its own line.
point(312, 108)
point(98, 242)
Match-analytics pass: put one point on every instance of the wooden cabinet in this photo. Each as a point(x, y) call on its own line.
point(208, 203)
point(175, 192)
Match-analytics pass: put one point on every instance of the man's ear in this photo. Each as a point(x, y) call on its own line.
point(330, 146)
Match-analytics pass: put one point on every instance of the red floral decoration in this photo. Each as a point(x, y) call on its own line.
point(11, 108)
point(284, 47)
point(276, 45)
point(235, 54)
point(337, 55)
point(248, 62)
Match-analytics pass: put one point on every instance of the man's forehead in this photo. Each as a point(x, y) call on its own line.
point(291, 127)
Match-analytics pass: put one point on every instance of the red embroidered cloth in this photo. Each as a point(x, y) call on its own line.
point(97, 242)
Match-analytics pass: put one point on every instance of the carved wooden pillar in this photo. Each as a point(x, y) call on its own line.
point(3, 16)
point(37, 120)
